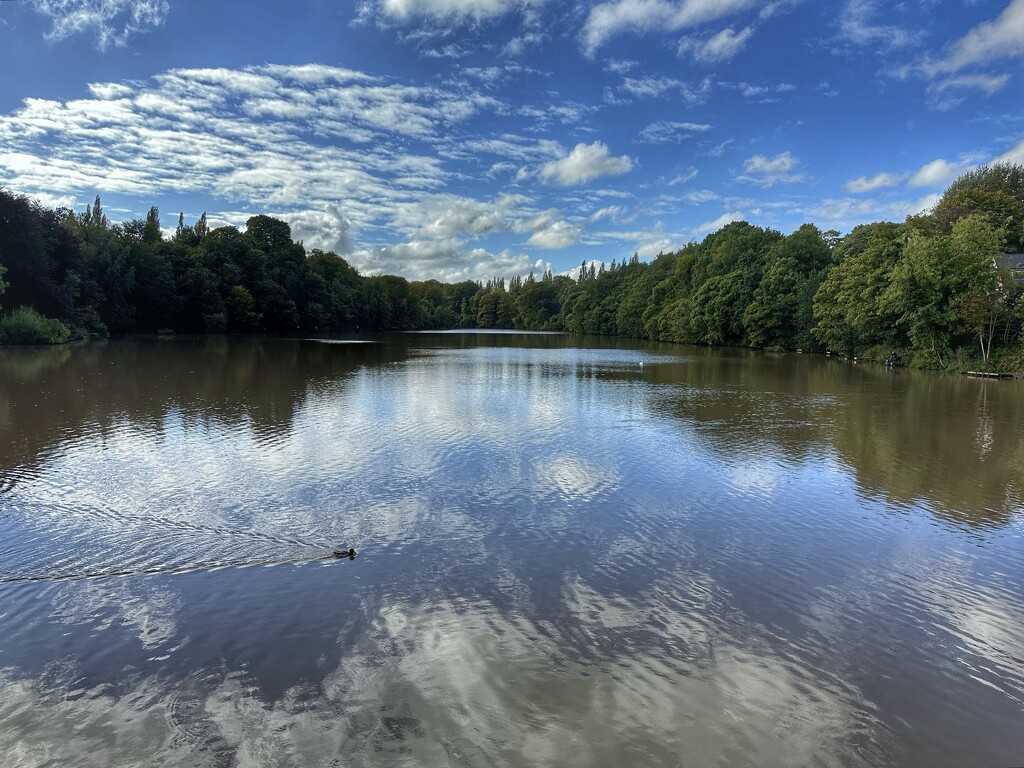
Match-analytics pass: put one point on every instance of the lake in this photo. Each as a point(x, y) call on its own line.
point(571, 552)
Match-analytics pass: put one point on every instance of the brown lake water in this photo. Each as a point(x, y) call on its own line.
point(572, 552)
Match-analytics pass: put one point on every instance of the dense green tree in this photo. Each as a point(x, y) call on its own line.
point(27, 237)
point(116, 279)
point(154, 294)
point(994, 192)
point(849, 309)
point(433, 303)
point(151, 232)
point(936, 275)
point(667, 315)
point(269, 234)
point(781, 312)
point(334, 288)
point(201, 309)
point(537, 304)
point(720, 278)
point(279, 311)
point(985, 287)
point(487, 310)
point(772, 318)
point(242, 312)
point(388, 304)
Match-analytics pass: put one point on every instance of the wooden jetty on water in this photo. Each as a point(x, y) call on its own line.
point(990, 375)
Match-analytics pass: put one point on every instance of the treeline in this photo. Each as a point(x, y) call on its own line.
point(933, 287)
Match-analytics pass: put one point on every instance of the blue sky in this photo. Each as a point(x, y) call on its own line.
point(473, 138)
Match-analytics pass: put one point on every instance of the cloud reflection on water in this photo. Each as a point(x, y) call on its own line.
point(457, 681)
point(565, 560)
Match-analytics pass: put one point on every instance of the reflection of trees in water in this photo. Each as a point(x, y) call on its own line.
point(918, 442)
point(953, 443)
point(613, 637)
point(984, 435)
point(51, 396)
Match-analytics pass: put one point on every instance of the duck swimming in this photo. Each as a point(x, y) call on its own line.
point(350, 553)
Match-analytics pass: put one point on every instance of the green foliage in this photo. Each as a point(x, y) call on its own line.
point(850, 309)
point(151, 230)
point(986, 288)
point(940, 277)
point(269, 234)
point(721, 275)
point(993, 192)
point(241, 310)
point(931, 286)
point(26, 326)
point(771, 318)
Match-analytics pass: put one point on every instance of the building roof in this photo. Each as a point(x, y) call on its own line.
point(1014, 260)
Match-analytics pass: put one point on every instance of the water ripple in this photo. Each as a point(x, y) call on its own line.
point(566, 558)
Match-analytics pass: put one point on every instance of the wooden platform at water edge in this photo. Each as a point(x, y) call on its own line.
point(990, 375)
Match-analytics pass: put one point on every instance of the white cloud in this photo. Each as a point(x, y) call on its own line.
point(951, 91)
point(585, 163)
point(857, 26)
point(559, 234)
point(934, 174)
point(610, 212)
point(700, 196)
point(984, 46)
point(445, 260)
point(684, 177)
point(878, 181)
point(316, 74)
point(827, 90)
point(716, 224)
point(55, 201)
point(671, 132)
point(841, 211)
point(329, 229)
point(845, 212)
point(988, 42)
point(522, 149)
point(444, 217)
point(621, 66)
point(447, 216)
point(717, 48)
point(647, 249)
point(112, 22)
point(520, 44)
point(763, 93)
point(645, 242)
point(1013, 155)
point(641, 16)
point(191, 130)
point(768, 171)
point(450, 51)
point(450, 10)
point(561, 113)
point(921, 205)
point(109, 91)
point(360, 168)
point(719, 149)
point(653, 86)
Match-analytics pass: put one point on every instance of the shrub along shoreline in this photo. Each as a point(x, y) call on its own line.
point(934, 289)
